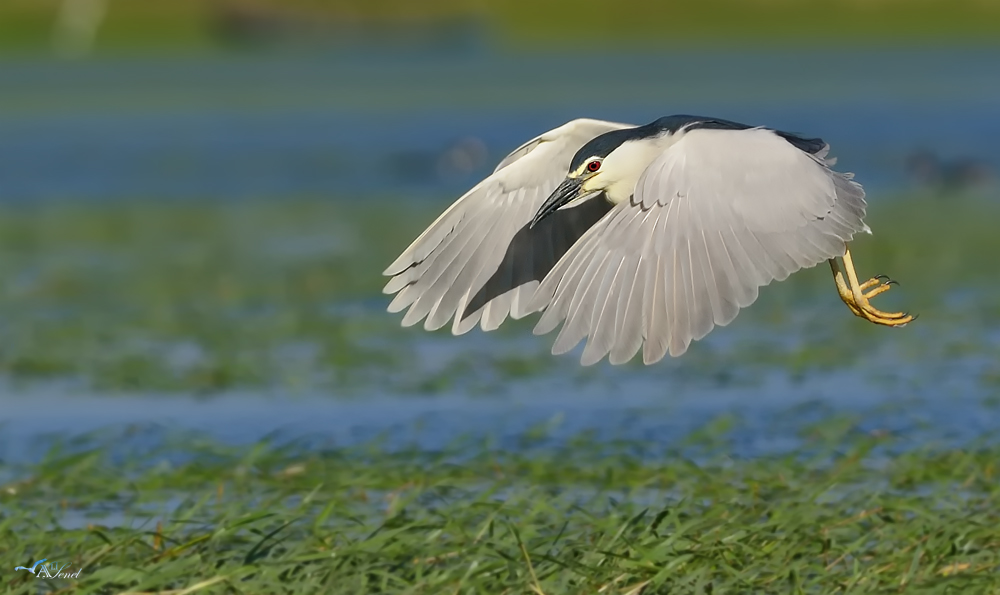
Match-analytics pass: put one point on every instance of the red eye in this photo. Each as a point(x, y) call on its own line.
point(594, 166)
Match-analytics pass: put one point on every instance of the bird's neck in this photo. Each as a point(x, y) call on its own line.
point(626, 164)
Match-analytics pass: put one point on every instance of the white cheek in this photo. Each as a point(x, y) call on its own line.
point(619, 191)
point(625, 165)
point(616, 189)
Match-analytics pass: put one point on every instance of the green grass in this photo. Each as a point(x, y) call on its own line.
point(207, 297)
point(839, 517)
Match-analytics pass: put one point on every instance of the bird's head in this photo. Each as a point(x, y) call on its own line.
point(609, 164)
point(581, 184)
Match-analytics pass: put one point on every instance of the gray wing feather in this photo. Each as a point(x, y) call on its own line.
point(518, 153)
point(478, 257)
point(714, 218)
point(444, 269)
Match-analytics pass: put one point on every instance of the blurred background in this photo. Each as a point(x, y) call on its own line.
point(197, 199)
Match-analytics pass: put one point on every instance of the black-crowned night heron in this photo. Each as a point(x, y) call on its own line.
point(637, 237)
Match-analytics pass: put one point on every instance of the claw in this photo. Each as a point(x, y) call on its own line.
point(874, 281)
point(857, 295)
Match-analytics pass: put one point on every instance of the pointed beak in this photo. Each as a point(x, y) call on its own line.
point(565, 193)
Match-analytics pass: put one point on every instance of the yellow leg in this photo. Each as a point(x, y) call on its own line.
point(857, 295)
point(842, 288)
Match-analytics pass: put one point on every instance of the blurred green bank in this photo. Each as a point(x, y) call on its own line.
point(123, 25)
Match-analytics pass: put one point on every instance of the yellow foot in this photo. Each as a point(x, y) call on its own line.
point(857, 296)
point(871, 288)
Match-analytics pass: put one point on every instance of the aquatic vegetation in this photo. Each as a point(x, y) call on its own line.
point(576, 517)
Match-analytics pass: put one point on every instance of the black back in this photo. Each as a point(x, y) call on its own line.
point(604, 144)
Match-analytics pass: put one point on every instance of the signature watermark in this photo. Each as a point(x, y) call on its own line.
point(51, 570)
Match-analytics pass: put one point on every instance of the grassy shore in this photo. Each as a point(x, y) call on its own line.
point(580, 518)
point(27, 25)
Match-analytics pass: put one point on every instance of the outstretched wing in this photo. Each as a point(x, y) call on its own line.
point(479, 262)
point(716, 216)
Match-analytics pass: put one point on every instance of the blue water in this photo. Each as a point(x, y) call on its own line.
point(923, 395)
point(343, 126)
point(770, 414)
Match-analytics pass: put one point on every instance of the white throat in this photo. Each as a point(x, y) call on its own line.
point(621, 169)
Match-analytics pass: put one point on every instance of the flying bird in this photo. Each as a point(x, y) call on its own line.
point(33, 567)
point(637, 237)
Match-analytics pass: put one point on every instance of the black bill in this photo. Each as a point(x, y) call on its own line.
point(565, 193)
